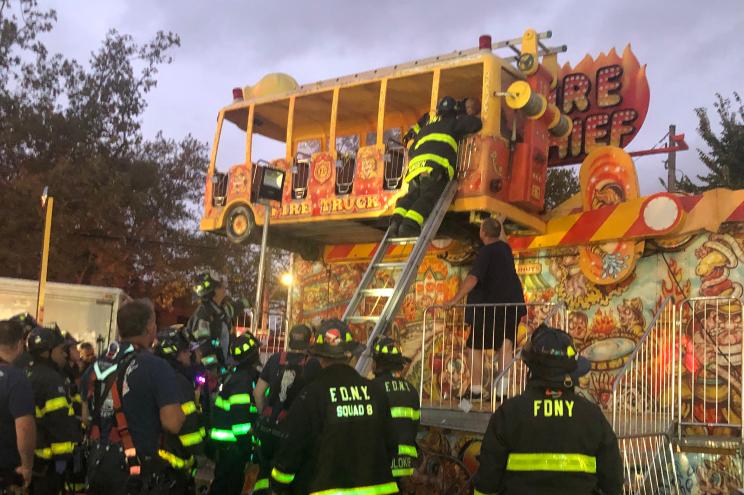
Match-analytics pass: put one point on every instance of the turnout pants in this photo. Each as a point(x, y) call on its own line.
point(423, 192)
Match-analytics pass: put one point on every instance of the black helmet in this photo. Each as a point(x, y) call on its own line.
point(206, 283)
point(551, 356)
point(446, 106)
point(299, 337)
point(245, 348)
point(387, 351)
point(335, 341)
point(27, 321)
point(43, 339)
point(171, 341)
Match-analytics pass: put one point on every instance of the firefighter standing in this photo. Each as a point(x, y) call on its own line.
point(404, 405)
point(234, 416)
point(340, 437)
point(281, 380)
point(431, 164)
point(131, 400)
point(185, 451)
point(58, 430)
point(549, 439)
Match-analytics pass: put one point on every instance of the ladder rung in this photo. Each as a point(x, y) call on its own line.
point(362, 319)
point(403, 240)
point(391, 264)
point(381, 292)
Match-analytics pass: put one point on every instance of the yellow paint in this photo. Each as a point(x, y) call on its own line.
point(618, 223)
point(44, 260)
point(290, 126)
point(334, 114)
point(435, 91)
point(248, 138)
point(215, 144)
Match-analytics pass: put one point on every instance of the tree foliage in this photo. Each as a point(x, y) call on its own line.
point(562, 183)
point(724, 158)
point(126, 207)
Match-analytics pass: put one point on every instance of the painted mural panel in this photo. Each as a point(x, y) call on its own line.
point(607, 321)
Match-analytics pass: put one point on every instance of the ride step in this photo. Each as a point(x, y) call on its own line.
point(362, 319)
point(390, 264)
point(403, 240)
point(381, 292)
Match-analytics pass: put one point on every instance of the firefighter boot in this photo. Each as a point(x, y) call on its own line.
point(409, 228)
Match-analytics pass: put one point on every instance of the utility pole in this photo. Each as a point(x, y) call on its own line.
point(672, 161)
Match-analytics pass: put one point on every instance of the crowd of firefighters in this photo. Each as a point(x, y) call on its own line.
point(191, 409)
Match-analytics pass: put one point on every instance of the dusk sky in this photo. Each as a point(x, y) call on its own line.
point(692, 49)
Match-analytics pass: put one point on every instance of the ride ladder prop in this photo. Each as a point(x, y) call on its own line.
point(409, 267)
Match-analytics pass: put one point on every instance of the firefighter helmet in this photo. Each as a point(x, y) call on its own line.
point(171, 342)
point(551, 356)
point(335, 341)
point(27, 321)
point(299, 337)
point(387, 351)
point(206, 284)
point(446, 106)
point(43, 339)
point(244, 348)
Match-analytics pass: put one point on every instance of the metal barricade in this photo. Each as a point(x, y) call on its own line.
point(710, 368)
point(271, 341)
point(643, 406)
point(451, 359)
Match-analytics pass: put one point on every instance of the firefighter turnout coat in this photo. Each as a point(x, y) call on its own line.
point(406, 414)
point(340, 438)
point(549, 441)
point(57, 428)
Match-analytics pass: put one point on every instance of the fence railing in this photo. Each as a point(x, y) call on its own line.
point(710, 367)
point(454, 367)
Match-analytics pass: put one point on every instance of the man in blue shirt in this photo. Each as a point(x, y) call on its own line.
point(144, 387)
point(17, 424)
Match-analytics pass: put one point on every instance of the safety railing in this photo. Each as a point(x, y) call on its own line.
point(272, 341)
point(395, 162)
point(648, 462)
point(453, 366)
point(300, 175)
point(466, 153)
point(710, 368)
point(642, 407)
point(345, 167)
point(219, 188)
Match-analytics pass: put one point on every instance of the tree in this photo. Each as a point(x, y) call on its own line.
point(126, 208)
point(724, 158)
point(562, 183)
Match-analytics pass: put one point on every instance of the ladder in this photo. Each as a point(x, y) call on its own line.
point(396, 294)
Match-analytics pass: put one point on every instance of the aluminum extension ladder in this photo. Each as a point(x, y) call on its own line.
point(396, 294)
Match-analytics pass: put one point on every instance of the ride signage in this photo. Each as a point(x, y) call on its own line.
point(606, 98)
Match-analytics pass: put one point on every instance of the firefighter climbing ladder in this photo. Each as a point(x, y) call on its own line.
point(395, 295)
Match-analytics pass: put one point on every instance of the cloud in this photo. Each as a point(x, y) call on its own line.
point(691, 51)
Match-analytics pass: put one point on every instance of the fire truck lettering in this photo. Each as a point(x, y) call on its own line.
point(596, 132)
point(608, 86)
point(619, 127)
point(576, 88)
point(361, 203)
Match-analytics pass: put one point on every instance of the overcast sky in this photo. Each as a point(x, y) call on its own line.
point(692, 49)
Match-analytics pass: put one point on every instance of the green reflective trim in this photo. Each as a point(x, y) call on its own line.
point(188, 407)
point(417, 165)
point(408, 450)
point(190, 439)
point(101, 375)
point(221, 403)
point(282, 477)
point(405, 412)
point(254, 409)
point(440, 137)
point(384, 489)
point(574, 463)
point(261, 484)
point(222, 435)
point(240, 399)
point(415, 216)
point(241, 429)
point(400, 473)
point(175, 461)
point(416, 128)
point(400, 211)
point(478, 492)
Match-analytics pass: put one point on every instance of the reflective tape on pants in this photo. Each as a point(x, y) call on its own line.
point(574, 463)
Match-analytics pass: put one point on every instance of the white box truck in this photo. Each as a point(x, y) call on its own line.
point(87, 312)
